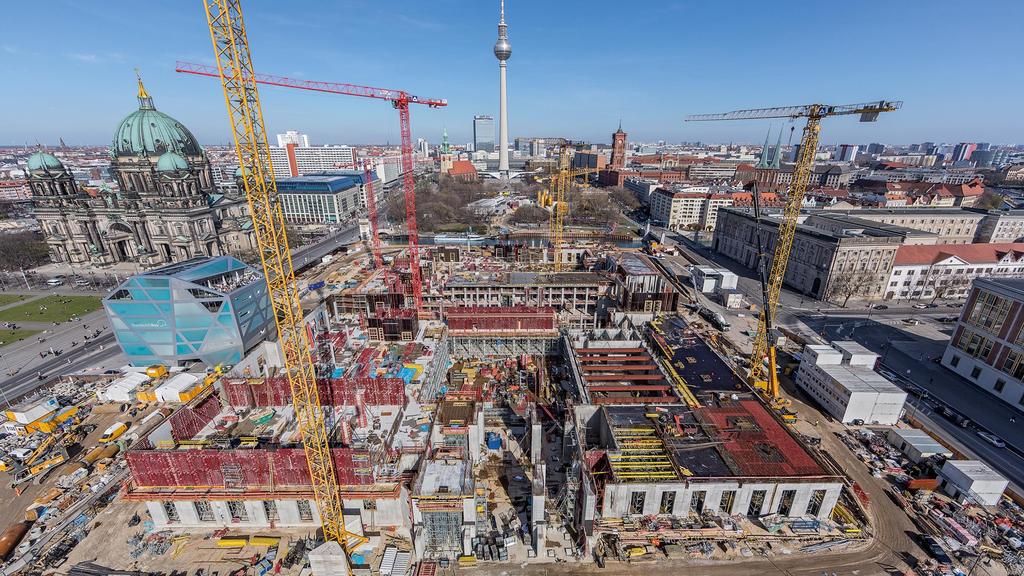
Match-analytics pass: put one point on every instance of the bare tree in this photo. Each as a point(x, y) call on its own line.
point(851, 283)
point(21, 250)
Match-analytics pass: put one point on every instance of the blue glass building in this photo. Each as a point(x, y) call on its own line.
point(210, 310)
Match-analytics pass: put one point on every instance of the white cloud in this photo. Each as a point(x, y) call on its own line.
point(87, 58)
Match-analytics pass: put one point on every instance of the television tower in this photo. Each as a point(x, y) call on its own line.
point(502, 51)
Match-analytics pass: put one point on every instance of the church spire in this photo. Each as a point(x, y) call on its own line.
point(777, 155)
point(145, 100)
point(763, 161)
point(444, 141)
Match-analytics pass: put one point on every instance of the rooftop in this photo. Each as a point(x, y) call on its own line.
point(325, 182)
point(983, 253)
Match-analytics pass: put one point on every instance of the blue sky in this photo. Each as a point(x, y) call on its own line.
point(577, 66)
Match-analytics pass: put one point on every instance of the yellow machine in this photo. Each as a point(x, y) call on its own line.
point(814, 113)
point(561, 182)
point(245, 114)
point(113, 433)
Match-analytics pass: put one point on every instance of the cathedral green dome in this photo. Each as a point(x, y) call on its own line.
point(148, 132)
point(44, 161)
point(171, 162)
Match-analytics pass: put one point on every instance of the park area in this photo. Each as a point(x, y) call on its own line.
point(8, 336)
point(8, 299)
point(50, 309)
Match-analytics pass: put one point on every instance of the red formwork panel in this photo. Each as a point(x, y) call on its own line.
point(188, 421)
point(248, 393)
point(215, 469)
point(490, 318)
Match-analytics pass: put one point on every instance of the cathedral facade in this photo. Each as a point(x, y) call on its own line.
point(165, 209)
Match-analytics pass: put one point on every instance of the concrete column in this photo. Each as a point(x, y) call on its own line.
point(221, 515)
point(831, 499)
point(288, 513)
point(802, 499)
point(156, 512)
point(257, 515)
point(187, 513)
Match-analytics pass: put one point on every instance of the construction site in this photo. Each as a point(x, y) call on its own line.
point(553, 398)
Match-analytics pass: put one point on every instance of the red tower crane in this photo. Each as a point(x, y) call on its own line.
point(371, 213)
point(401, 100)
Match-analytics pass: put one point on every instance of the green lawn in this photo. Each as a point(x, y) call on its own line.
point(6, 299)
point(8, 336)
point(57, 309)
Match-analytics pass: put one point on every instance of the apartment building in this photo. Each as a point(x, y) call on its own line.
point(692, 208)
point(946, 271)
point(987, 347)
point(295, 160)
point(999, 226)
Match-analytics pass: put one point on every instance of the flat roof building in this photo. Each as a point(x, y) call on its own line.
point(841, 378)
point(917, 445)
point(326, 197)
point(972, 481)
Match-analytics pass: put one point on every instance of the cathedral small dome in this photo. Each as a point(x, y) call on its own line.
point(171, 162)
point(44, 161)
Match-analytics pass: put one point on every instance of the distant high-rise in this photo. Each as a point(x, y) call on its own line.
point(502, 51)
point(963, 151)
point(618, 159)
point(928, 147)
point(483, 133)
point(846, 152)
point(292, 137)
point(876, 148)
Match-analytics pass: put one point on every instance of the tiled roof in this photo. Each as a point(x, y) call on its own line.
point(917, 255)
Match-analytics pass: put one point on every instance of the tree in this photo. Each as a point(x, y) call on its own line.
point(21, 250)
point(530, 214)
point(989, 200)
point(851, 283)
point(624, 197)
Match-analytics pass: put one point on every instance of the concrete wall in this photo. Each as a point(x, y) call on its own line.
point(617, 497)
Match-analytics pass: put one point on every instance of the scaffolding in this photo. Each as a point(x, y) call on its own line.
point(641, 455)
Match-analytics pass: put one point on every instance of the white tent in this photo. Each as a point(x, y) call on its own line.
point(123, 389)
point(171, 390)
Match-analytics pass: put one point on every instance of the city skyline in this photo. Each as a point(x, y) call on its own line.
point(548, 95)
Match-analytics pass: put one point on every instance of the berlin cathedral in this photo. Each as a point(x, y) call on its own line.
point(166, 208)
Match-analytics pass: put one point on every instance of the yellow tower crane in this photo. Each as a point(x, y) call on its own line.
point(234, 62)
point(763, 352)
point(561, 182)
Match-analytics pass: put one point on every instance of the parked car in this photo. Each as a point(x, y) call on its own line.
point(931, 305)
point(934, 549)
point(920, 306)
point(880, 307)
point(81, 283)
point(54, 282)
point(911, 321)
point(992, 439)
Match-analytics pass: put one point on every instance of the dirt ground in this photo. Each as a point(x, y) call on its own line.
point(107, 544)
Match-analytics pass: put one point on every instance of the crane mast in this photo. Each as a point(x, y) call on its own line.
point(234, 64)
point(794, 201)
point(561, 182)
point(371, 215)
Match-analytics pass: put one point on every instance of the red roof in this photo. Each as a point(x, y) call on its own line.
point(916, 255)
point(462, 168)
